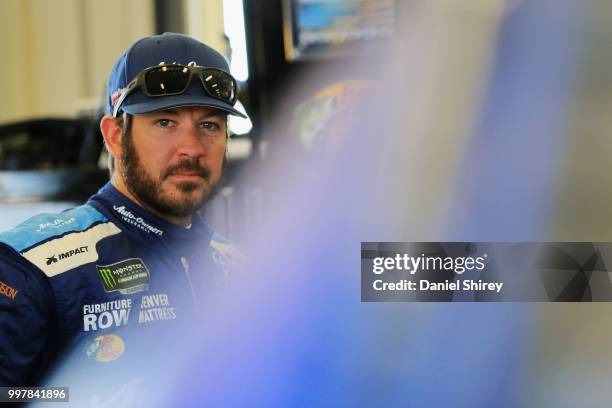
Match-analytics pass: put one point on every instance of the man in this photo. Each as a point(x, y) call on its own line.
point(136, 256)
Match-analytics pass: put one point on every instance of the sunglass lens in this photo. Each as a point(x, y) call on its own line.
point(220, 85)
point(167, 80)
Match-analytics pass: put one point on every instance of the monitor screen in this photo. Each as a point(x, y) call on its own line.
point(316, 28)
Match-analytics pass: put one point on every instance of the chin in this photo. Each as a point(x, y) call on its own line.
point(194, 191)
point(186, 187)
point(193, 194)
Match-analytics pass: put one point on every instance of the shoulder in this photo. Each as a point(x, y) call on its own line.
point(27, 321)
point(58, 242)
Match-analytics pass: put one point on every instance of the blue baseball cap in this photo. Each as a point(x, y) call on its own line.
point(166, 48)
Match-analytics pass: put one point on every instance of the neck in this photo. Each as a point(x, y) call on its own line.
point(120, 185)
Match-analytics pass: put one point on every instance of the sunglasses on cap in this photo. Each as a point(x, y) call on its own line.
point(167, 80)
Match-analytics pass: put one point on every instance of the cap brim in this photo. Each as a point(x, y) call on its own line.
point(167, 102)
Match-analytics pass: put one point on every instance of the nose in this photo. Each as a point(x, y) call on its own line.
point(190, 142)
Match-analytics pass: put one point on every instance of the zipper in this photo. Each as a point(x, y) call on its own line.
point(185, 263)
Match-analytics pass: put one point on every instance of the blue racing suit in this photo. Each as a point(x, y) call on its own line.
point(89, 274)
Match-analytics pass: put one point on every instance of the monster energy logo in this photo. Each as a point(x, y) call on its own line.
point(107, 279)
point(127, 276)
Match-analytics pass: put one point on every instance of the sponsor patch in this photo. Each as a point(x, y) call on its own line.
point(67, 254)
point(227, 258)
point(100, 316)
point(70, 251)
point(136, 221)
point(56, 223)
point(105, 348)
point(7, 291)
point(155, 307)
point(127, 277)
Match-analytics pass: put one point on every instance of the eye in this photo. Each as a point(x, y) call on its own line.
point(210, 126)
point(165, 123)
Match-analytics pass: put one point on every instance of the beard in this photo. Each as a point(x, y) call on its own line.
point(183, 204)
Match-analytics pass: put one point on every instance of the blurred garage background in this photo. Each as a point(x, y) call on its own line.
point(500, 131)
point(60, 54)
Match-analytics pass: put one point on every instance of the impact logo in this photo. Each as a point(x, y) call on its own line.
point(105, 348)
point(138, 222)
point(64, 255)
point(127, 277)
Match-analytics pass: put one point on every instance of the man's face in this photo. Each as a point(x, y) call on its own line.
point(174, 158)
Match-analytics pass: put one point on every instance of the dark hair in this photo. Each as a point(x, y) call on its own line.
point(125, 122)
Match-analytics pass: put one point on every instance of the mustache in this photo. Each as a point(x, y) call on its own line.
point(186, 165)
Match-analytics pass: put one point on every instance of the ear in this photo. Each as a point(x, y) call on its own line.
point(111, 132)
